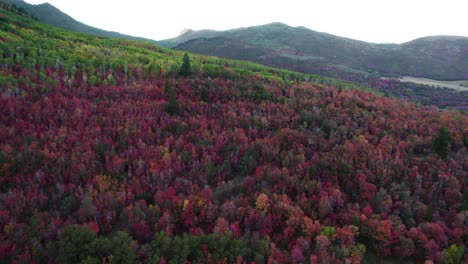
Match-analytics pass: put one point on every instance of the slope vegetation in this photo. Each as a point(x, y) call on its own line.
point(304, 50)
point(108, 154)
point(50, 15)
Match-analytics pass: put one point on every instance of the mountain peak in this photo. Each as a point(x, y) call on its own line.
point(277, 24)
point(45, 4)
point(185, 31)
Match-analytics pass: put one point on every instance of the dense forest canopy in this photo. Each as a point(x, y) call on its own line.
point(110, 153)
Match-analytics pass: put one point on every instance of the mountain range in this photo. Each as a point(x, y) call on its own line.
point(302, 49)
point(299, 48)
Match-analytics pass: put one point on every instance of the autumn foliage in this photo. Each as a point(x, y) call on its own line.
point(256, 170)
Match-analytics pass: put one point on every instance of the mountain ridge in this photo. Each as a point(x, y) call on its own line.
point(299, 48)
point(435, 57)
point(281, 24)
point(48, 14)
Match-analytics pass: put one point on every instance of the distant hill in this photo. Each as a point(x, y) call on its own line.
point(302, 49)
point(186, 35)
point(50, 15)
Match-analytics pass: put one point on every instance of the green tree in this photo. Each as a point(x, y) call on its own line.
point(101, 152)
point(222, 248)
point(93, 81)
point(328, 231)
point(116, 249)
point(75, 244)
point(465, 201)
point(428, 215)
point(185, 68)
point(205, 95)
point(441, 142)
point(78, 244)
point(161, 246)
point(173, 107)
point(453, 254)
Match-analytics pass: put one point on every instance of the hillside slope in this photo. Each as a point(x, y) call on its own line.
point(288, 58)
point(109, 154)
point(279, 45)
point(50, 15)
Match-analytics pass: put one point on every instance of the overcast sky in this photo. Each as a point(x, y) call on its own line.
point(379, 21)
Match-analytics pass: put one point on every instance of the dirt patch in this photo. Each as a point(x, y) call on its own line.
point(461, 86)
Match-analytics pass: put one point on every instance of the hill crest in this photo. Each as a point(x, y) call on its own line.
point(48, 14)
point(277, 44)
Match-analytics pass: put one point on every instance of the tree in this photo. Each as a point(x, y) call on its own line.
point(185, 68)
point(173, 107)
point(75, 244)
point(428, 215)
point(79, 244)
point(262, 202)
point(117, 248)
point(465, 201)
point(93, 81)
point(205, 95)
point(198, 249)
point(441, 142)
point(453, 254)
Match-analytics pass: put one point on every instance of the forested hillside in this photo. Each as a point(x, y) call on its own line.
point(304, 50)
point(52, 16)
point(115, 151)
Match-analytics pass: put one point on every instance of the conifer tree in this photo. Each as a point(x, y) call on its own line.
point(185, 68)
point(441, 142)
point(205, 96)
point(173, 107)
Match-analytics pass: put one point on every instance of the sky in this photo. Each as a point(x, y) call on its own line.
point(378, 21)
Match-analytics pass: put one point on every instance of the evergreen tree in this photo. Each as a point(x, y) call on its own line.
point(441, 142)
point(185, 68)
point(465, 201)
point(173, 107)
point(428, 215)
point(205, 96)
